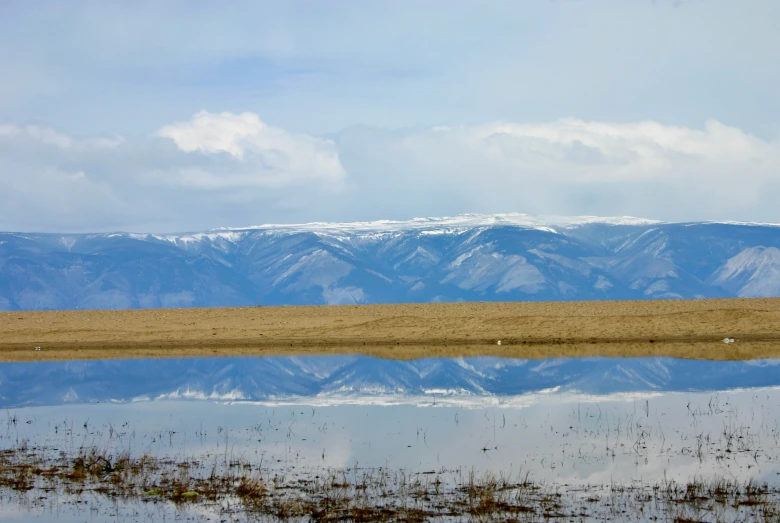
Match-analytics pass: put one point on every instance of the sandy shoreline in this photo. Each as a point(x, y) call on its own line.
point(683, 329)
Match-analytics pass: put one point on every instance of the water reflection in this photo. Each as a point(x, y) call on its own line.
point(51, 383)
point(568, 438)
point(562, 422)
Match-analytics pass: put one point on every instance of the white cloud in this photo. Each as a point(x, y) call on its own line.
point(644, 149)
point(276, 154)
point(226, 169)
point(573, 166)
point(216, 169)
point(48, 136)
point(134, 67)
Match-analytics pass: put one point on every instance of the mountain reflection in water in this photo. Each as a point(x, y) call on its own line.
point(345, 377)
point(585, 424)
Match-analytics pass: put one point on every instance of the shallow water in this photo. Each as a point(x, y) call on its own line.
point(568, 438)
point(54, 383)
point(567, 422)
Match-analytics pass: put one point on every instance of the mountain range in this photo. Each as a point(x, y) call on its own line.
point(507, 257)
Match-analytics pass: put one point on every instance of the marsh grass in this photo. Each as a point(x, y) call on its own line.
point(227, 482)
point(374, 494)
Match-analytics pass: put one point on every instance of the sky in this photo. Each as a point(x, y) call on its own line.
point(175, 116)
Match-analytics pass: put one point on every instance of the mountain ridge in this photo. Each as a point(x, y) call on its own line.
point(502, 257)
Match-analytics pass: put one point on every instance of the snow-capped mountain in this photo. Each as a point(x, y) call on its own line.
point(351, 378)
point(509, 257)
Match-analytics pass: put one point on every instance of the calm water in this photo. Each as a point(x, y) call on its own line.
point(570, 422)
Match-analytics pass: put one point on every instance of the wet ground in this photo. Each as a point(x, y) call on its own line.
point(598, 434)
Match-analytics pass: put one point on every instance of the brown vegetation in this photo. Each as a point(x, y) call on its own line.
point(373, 494)
point(686, 329)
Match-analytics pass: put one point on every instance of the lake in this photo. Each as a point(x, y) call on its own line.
point(581, 438)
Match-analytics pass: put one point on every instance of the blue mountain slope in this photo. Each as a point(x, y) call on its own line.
point(486, 258)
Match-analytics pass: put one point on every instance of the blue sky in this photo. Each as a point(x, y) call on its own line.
point(176, 115)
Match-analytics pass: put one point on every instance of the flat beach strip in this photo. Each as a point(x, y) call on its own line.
point(681, 328)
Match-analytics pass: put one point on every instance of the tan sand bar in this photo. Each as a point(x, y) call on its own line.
point(684, 329)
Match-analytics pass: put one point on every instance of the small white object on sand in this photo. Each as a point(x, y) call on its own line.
point(498, 342)
point(728, 340)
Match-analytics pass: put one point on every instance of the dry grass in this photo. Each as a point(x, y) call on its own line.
point(374, 494)
point(686, 329)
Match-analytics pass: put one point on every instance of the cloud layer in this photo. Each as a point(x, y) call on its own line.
point(227, 169)
point(357, 110)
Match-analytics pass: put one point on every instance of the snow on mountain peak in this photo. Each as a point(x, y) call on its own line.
point(750, 224)
point(575, 221)
point(450, 224)
point(212, 236)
